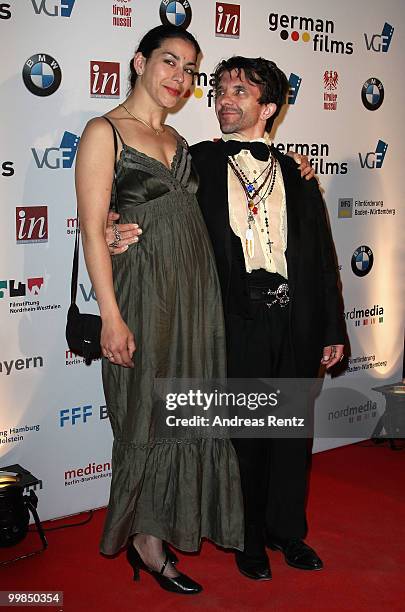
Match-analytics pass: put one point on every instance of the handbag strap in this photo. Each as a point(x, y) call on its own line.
point(114, 201)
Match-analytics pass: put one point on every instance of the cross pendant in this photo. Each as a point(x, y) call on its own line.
point(269, 243)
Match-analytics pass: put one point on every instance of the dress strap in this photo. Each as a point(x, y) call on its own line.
point(114, 187)
point(116, 133)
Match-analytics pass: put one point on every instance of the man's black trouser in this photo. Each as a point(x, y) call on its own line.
point(273, 470)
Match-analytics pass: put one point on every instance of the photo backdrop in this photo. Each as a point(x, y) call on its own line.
point(65, 61)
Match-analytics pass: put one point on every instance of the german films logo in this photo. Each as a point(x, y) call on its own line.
point(104, 79)
point(315, 32)
point(31, 224)
point(227, 20)
point(203, 88)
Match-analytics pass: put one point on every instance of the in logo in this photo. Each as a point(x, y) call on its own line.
point(380, 43)
point(345, 208)
point(362, 260)
point(53, 9)
point(330, 83)
point(58, 157)
point(31, 224)
point(20, 289)
point(42, 74)
point(372, 94)
point(294, 86)
point(5, 12)
point(175, 13)
point(104, 79)
point(374, 159)
point(227, 20)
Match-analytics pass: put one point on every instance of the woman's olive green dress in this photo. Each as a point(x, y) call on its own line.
point(168, 294)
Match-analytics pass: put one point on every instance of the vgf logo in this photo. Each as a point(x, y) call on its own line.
point(380, 43)
point(57, 157)
point(87, 296)
point(62, 8)
point(374, 159)
point(294, 83)
point(81, 414)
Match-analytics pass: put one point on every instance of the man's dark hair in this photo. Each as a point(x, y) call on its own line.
point(271, 81)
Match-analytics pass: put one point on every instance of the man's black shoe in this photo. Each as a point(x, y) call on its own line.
point(253, 567)
point(296, 553)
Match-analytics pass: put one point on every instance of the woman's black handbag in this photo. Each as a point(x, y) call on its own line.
point(83, 331)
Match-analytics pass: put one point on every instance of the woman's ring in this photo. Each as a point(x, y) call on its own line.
point(117, 236)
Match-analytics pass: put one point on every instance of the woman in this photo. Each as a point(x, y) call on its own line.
point(161, 318)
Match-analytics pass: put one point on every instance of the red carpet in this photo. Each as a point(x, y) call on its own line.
point(356, 514)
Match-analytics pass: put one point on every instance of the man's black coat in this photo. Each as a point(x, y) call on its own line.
point(316, 314)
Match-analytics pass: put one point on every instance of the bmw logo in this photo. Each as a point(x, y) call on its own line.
point(372, 94)
point(175, 13)
point(362, 260)
point(42, 74)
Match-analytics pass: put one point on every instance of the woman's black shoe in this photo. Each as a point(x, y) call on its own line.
point(180, 584)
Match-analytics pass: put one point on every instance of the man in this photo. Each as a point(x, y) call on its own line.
point(282, 309)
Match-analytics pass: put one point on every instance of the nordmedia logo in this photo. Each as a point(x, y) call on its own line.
point(380, 43)
point(227, 20)
point(55, 158)
point(294, 83)
point(360, 317)
point(374, 159)
point(52, 8)
point(317, 33)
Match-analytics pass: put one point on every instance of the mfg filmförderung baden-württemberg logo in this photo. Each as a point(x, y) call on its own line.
point(374, 159)
point(372, 94)
point(53, 8)
point(363, 208)
point(42, 74)
point(380, 43)
point(309, 30)
point(362, 260)
point(175, 13)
